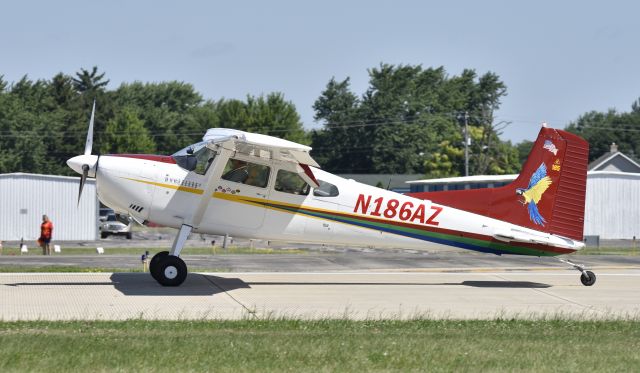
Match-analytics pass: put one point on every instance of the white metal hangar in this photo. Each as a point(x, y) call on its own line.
point(612, 206)
point(24, 198)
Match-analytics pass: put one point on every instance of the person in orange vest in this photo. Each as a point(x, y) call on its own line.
point(46, 232)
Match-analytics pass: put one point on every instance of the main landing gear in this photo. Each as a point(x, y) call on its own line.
point(587, 278)
point(166, 267)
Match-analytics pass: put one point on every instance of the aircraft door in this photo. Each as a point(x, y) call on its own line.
point(240, 196)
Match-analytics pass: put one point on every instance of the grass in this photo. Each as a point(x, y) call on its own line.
point(62, 269)
point(36, 251)
point(80, 269)
point(325, 345)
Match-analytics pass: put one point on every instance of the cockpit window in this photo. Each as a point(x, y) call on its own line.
point(204, 157)
point(246, 173)
point(291, 182)
point(196, 157)
point(325, 190)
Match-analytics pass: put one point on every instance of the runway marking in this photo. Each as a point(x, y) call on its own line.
point(226, 291)
point(570, 272)
point(551, 295)
point(523, 272)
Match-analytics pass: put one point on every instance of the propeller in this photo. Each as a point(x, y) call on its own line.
point(83, 180)
point(89, 144)
point(87, 155)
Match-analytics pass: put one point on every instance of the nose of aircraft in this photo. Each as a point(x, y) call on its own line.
point(77, 162)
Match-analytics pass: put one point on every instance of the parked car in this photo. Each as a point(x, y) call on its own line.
point(104, 212)
point(116, 225)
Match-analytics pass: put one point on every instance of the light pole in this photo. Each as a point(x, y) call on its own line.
point(466, 144)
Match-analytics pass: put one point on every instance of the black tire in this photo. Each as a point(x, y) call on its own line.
point(154, 264)
point(129, 235)
point(103, 235)
point(588, 278)
point(172, 271)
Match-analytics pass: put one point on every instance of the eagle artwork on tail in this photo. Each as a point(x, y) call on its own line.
point(538, 184)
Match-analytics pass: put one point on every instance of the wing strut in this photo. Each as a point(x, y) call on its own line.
point(213, 175)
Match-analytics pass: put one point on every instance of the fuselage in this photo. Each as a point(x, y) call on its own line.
point(159, 190)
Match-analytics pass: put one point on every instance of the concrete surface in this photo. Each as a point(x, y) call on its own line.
point(344, 260)
point(356, 295)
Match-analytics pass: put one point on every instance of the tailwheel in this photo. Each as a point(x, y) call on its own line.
point(588, 278)
point(171, 271)
point(155, 263)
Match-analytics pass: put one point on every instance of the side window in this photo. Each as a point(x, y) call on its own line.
point(325, 190)
point(246, 173)
point(204, 158)
point(291, 182)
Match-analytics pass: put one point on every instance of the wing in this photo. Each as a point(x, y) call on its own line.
point(534, 214)
point(536, 192)
point(291, 155)
point(538, 175)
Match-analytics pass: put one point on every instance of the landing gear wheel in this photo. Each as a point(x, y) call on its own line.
point(171, 271)
point(588, 278)
point(155, 263)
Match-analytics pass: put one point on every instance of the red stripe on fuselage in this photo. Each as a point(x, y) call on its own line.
point(149, 157)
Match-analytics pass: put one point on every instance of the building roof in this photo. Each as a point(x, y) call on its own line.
point(610, 158)
point(503, 178)
point(466, 179)
point(614, 160)
point(43, 176)
point(394, 181)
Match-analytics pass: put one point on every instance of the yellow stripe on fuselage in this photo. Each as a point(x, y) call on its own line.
point(259, 202)
point(169, 186)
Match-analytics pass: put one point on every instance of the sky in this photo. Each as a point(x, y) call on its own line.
point(559, 59)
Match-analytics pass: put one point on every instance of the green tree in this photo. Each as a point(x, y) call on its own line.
point(44, 122)
point(524, 148)
point(169, 111)
point(408, 121)
point(270, 115)
point(343, 136)
point(125, 133)
point(90, 81)
point(601, 129)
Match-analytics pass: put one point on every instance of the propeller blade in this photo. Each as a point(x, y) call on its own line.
point(89, 145)
point(83, 180)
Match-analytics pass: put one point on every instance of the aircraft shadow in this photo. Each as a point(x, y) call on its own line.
point(142, 284)
point(194, 285)
point(477, 284)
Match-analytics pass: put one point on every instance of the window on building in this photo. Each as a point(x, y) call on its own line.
point(325, 190)
point(291, 182)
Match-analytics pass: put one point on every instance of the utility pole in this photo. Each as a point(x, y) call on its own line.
point(466, 144)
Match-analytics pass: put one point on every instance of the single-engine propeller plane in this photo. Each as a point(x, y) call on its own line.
point(257, 186)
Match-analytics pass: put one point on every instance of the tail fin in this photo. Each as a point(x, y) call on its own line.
point(548, 195)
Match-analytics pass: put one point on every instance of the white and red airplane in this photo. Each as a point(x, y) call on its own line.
point(257, 186)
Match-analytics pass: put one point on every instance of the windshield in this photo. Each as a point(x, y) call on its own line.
point(196, 157)
point(118, 218)
point(197, 146)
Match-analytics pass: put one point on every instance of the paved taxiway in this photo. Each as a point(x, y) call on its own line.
point(356, 295)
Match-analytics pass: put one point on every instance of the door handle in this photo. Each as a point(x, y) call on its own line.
point(261, 195)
